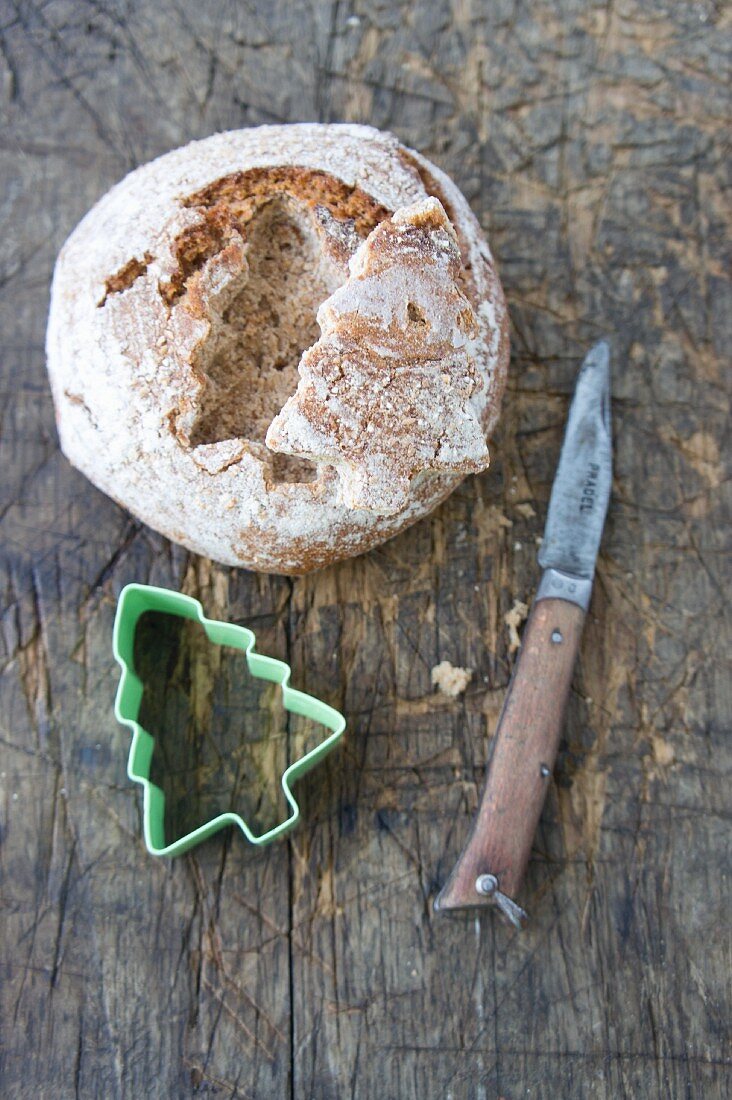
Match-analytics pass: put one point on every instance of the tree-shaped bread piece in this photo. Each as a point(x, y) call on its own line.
point(385, 394)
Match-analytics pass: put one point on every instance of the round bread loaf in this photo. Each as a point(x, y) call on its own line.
point(278, 346)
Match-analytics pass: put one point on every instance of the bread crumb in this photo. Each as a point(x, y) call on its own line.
point(525, 510)
point(663, 753)
point(449, 679)
point(513, 620)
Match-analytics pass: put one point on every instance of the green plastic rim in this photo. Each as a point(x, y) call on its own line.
point(134, 601)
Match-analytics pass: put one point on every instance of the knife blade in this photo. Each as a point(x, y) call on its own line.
point(491, 867)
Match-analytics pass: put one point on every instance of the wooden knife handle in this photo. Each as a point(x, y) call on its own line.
point(521, 761)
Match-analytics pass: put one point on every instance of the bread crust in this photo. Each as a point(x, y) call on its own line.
point(169, 358)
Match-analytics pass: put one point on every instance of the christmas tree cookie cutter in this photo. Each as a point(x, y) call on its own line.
point(134, 601)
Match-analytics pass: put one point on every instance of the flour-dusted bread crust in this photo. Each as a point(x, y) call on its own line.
point(279, 346)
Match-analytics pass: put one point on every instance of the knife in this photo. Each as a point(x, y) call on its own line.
point(492, 864)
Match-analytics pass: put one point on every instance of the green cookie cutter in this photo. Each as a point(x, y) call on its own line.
point(134, 601)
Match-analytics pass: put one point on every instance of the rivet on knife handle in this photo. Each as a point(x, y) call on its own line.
point(492, 865)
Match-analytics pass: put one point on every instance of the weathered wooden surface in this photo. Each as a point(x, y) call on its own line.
point(590, 140)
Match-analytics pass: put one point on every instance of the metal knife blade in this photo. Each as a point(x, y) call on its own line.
point(581, 488)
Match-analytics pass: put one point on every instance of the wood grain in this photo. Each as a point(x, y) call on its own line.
point(522, 758)
point(591, 140)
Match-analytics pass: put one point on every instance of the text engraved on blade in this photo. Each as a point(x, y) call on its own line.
point(589, 489)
